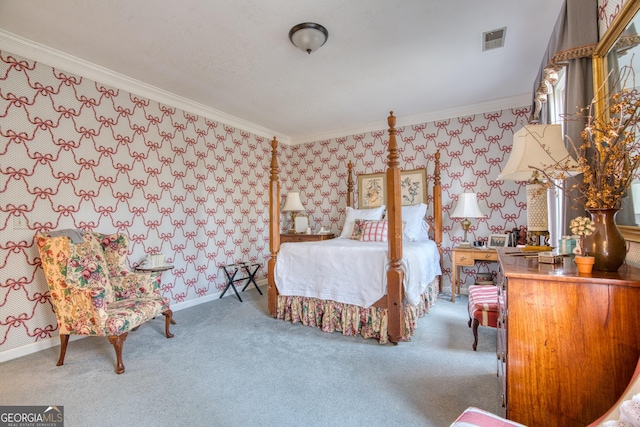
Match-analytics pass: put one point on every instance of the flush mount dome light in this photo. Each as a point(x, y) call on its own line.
point(308, 36)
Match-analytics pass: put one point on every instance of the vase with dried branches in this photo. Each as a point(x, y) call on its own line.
point(608, 158)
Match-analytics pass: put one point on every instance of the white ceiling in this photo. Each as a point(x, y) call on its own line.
point(421, 58)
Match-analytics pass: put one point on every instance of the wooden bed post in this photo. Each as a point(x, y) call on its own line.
point(395, 273)
point(274, 229)
point(350, 198)
point(437, 212)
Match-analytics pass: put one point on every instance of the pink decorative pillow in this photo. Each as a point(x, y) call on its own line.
point(375, 231)
point(358, 228)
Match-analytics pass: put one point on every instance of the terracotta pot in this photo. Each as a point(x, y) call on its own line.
point(606, 243)
point(584, 263)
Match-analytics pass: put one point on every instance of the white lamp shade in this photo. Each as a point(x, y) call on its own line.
point(467, 207)
point(293, 202)
point(538, 147)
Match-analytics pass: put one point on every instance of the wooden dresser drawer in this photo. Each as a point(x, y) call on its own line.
point(484, 255)
point(464, 258)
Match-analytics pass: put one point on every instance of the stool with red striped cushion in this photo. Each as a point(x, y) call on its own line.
point(483, 308)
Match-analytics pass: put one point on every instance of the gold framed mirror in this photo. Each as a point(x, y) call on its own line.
point(615, 50)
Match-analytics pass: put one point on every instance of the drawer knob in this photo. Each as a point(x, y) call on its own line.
point(487, 255)
point(463, 257)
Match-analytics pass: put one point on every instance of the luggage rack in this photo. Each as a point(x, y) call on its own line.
point(249, 271)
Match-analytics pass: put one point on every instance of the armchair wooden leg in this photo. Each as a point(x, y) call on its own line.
point(475, 333)
point(118, 341)
point(168, 320)
point(64, 340)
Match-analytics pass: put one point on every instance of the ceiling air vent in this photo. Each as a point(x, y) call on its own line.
point(493, 39)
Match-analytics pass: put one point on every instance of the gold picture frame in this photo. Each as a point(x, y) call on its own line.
point(372, 190)
point(413, 186)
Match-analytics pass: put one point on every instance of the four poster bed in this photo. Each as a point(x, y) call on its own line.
point(371, 285)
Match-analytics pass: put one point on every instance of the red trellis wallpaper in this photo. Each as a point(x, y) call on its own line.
point(77, 154)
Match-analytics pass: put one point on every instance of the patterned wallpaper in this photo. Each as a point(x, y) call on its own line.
point(77, 154)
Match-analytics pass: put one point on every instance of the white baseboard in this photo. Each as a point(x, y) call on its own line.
point(55, 341)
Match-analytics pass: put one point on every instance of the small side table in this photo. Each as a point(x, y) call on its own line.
point(290, 237)
point(467, 257)
point(159, 269)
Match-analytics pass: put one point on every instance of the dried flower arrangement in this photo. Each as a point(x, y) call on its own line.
point(609, 155)
point(609, 171)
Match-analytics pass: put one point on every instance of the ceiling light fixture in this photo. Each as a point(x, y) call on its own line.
point(308, 36)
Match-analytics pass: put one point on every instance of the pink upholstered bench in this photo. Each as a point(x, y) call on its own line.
point(474, 417)
point(483, 308)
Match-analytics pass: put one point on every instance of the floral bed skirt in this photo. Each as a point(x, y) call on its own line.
point(331, 316)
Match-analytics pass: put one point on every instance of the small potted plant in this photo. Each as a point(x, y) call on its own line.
point(583, 226)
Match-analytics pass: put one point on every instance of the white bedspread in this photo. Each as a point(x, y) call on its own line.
point(352, 272)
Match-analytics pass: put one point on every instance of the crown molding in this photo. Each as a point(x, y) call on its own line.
point(57, 59)
point(515, 101)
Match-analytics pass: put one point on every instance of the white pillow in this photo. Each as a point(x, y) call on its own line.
point(424, 234)
point(413, 216)
point(353, 214)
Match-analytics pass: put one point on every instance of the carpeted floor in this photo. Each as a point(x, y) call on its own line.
point(230, 364)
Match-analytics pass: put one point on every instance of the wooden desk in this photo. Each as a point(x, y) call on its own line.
point(467, 257)
point(567, 344)
point(290, 237)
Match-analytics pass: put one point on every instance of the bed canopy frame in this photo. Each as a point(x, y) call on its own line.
point(393, 301)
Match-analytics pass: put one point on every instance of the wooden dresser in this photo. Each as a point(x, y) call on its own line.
point(567, 344)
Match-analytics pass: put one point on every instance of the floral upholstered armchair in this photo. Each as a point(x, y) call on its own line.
point(92, 290)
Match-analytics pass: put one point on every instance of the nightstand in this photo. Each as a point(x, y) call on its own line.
point(290, 237)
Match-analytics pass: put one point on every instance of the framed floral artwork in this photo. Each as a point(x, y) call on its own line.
point(372, 190)
point(413, 186)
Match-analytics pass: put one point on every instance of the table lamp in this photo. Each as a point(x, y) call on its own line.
point(538, 149)
point(293, 204)
point(466, 208)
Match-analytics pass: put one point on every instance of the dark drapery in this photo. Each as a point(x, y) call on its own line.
point(571, 47)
